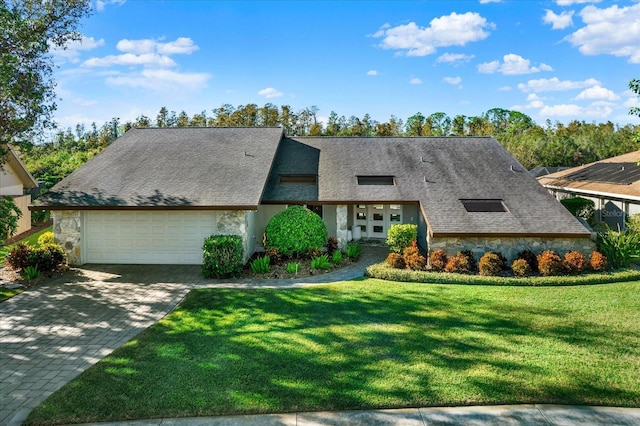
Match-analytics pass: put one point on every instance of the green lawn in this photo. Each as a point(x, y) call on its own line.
point(367, 344)
point(6, 293)
point(31, 240)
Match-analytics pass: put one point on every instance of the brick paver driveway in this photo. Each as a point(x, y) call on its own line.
point(50, 334)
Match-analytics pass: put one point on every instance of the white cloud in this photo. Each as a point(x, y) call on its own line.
point(597, 93)
point(270, 92)
point(512, 65)
point(558, 22)
point(450, 30)
point(415, 80)
point(372, 72)
point(71, 51)
point(180, 46)
point(572, 110)
point(161, 80)
point(129, 59)
point(572, 2)
point(555, 85)
point(453, 80)
point(611, 31)
point(454, 58)
point(632, 103)
point(101, 4)
point(490, 1)
point(505, 89)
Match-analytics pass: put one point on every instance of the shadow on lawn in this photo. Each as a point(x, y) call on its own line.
point(334, 349)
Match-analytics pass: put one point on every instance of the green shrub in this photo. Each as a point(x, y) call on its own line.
point(401, 236)
point(18, 257)
point(619, 247)
point(521, 268)
point(574, 262)
point(40, 216)
point(314, 252)
point(413, 259)
point(490, 264)
point(47, 258)
point(438, 260)
point(384, 272)
point(530, 258)
point(353, 251)
point(395, 260)
point(597, 261)
point(458, 264)
point(293, 267)
point(633, 223)
point(30, 273)
point(320, 262)
point(46, 238)
point(260, 265)
point(295, 230)
point(336, 257)
point(222, 256)
point(580, 207)
point(549, 263)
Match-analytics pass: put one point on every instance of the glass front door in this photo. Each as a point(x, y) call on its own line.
point(375, 219)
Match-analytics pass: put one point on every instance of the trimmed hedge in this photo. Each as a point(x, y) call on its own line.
point(295, 231)
point(384, 272)
point(222, 256)
point(401, 236)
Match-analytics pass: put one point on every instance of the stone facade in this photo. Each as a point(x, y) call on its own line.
point(510, 246)
point(67, 228)
point(342, 217)
point(236, 222)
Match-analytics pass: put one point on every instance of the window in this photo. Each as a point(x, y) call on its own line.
point(298, 179)
point(484, 206)
point(376, 180)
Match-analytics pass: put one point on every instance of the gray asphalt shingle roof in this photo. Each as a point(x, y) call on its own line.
point(241, 167)
point(437, 173)
point(173, 167)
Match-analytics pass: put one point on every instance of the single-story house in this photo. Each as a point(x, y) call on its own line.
point(17, 183)
point(612, 184)
point(155, 194)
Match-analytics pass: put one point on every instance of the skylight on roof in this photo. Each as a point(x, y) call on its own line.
point(298, 179)
point(484, 206)
point(376, 180)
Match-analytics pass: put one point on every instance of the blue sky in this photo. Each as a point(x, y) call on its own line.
point(553, 60)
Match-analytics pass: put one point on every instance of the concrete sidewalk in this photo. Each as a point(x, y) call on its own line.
point(529, 415)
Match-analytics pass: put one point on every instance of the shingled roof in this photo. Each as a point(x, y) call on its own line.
point(241, 168)
point(435, 172)
point(576, 180)
point(210, 167)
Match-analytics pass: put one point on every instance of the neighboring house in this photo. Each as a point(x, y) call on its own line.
point(17, 182)
point(613, 184)
point(543, 171)
point(155, 194)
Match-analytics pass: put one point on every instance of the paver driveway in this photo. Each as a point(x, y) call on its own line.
point(50, 334)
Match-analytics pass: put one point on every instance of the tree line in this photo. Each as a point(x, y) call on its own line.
point(551, 144)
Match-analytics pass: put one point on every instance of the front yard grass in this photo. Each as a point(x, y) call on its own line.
point(6, 293)
point(367, 344)
point(32, 240)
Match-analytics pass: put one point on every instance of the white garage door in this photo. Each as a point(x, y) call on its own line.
point(147, 237)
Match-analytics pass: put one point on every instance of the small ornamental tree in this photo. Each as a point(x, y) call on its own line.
point(295, 231)
point(9, 215)
point(401, 236)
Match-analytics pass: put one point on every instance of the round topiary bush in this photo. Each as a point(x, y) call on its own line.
point(294, 231)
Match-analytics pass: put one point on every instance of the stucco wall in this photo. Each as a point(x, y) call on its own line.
point(10, 184)
point(509, 246)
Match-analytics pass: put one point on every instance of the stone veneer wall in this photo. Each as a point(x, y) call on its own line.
point(342, 217)
point(67, 228)
point(236, 222)
point(510, 246)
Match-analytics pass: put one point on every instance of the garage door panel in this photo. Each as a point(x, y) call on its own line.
point(147, 237)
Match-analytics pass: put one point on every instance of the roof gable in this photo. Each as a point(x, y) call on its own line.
point(15, 164)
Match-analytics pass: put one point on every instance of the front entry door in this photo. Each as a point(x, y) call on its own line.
point(375, 219)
